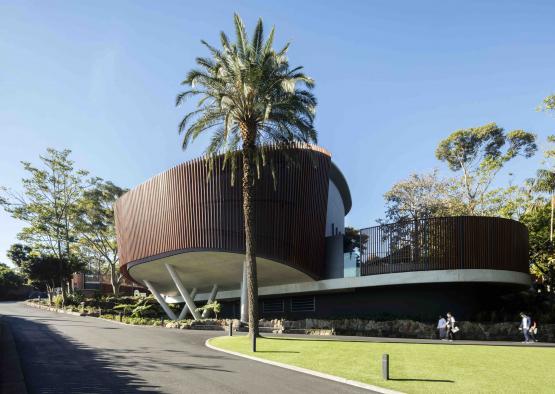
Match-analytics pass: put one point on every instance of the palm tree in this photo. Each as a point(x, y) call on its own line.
point(545, 183)
point(249, 98)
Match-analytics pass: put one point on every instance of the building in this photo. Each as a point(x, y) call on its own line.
point(181, 234)
point(95, 282)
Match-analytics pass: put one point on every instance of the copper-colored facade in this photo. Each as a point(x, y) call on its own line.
point(445, 243)
point(184, 209)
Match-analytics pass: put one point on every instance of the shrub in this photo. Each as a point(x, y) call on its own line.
point(58, 301)
point(212, 307)
point(75, 299)
point(124, 308)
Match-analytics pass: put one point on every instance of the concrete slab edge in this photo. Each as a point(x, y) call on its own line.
point(306, 371)
point(11, 374)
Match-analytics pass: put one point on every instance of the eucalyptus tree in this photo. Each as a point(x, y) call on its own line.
point(548, 104)
point(545, 179)
point(249, 98)
point(480, 153)
point(420, 196)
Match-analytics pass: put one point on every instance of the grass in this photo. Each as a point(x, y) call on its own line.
point(414, 368)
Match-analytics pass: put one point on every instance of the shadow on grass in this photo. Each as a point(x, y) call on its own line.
point(276, 351)
point(423, 380)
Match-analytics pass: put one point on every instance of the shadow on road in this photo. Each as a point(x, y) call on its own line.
point(54, 363)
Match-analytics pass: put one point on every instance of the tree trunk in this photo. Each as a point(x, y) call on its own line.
point(114, 279)
point(248, 213)
point(49, 293)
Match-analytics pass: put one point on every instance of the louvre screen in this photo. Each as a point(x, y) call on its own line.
point(303, 304)
point(272, 306)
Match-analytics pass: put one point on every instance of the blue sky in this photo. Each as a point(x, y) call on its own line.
point(393, 78)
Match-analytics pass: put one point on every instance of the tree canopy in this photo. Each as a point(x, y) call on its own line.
point(420, 196)
point(480, 153)
point(248, 94)
point(96, 227)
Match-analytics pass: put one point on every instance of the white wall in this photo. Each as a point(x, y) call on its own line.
point(335, 213)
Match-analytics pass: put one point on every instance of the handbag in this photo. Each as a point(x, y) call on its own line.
point(455, 329)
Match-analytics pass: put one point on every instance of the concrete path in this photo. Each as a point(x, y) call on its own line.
point(69, 354)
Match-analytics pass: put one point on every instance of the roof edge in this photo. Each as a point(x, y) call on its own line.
point(340, 182)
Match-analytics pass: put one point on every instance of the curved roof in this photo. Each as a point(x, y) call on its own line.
point(341, 183)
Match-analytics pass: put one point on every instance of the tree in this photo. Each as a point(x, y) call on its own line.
point(480, 153)
point(96, 228)
point(9, 279)
point(354, 239)
point(548, 104)
point(420, 196)
point(19, 254)
point(542, 249)
point(50, 270)
point(48, 205)
point(249, 97)
point(545, 179)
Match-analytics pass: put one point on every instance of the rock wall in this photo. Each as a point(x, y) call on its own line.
point(404, 329)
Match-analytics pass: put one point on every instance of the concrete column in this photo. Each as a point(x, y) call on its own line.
point(185, 310)
point(161, 301)
point(244, 296)
point(211, 299)
point(184, 293)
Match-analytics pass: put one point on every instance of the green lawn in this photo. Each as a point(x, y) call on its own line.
point(414, 368)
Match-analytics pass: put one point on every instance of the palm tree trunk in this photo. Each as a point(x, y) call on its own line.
point(250, 243)
point(552, 209)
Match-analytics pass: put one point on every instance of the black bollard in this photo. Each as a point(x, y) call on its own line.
point(162, 321)
point(231, 328)
point(119, 317)
point(385, 366)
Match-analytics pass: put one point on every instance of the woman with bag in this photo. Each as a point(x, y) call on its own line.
point(533, 330)
point(451, 328)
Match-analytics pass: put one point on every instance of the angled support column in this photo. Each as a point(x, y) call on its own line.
point(244, 297)
point(185, 310)
point(183, 291)
point(160, 300)
point(211, 299)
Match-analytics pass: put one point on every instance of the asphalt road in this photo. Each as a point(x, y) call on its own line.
point(69, 354)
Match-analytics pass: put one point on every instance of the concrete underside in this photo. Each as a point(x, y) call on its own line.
point(511, 278)
point(203, 269)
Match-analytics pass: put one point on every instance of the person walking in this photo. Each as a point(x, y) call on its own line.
point(451, 328)
point(442, 327)
point(525, 326)
point(533, 330)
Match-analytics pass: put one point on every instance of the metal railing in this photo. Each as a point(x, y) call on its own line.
point(463, 242)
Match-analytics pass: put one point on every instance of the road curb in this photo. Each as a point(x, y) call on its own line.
point(52, 309)
point(305, 371)
point(12, 380)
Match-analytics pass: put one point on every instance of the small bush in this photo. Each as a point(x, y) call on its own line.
point(58, 301)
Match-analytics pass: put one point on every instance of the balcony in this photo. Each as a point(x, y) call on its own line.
point(445, 243)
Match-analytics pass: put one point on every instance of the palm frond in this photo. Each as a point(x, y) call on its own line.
point(247, 85)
